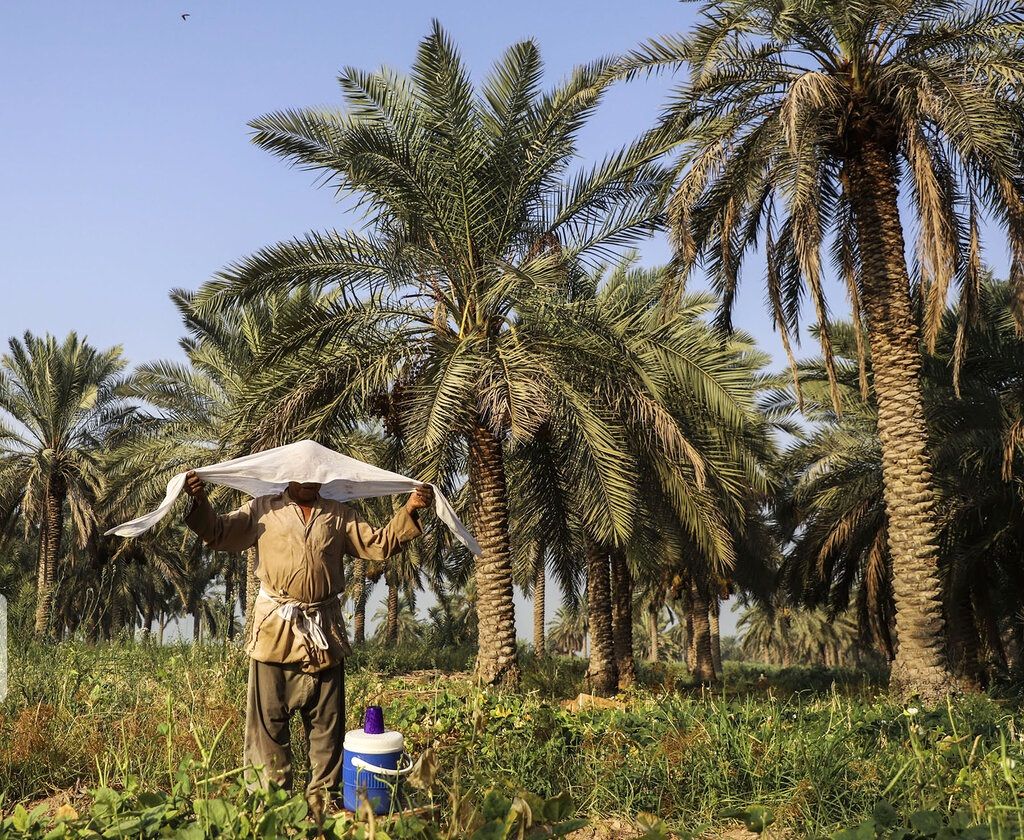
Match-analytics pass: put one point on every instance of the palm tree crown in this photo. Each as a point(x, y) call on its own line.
point(441, 311)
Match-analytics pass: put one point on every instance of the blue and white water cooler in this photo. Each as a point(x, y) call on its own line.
point(373, 763)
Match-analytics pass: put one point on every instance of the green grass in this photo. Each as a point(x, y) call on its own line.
point(813, 750)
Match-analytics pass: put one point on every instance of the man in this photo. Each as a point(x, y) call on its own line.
point(298, 642)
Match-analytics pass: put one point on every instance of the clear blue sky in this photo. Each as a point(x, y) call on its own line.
point(127, 168)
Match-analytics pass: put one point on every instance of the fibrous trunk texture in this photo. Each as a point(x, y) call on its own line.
point(920, 666)
point(539, 592)
point(603, 673)
point(716, 637)
point(622, 617)
point(391, 628)
point(497, 659)
point(652, 631)
point(359, 602)
point(691, 644)
point(53, 531)
point(704, 669)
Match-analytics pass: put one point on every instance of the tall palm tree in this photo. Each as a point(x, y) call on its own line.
point(474, 229)
point(59, 403)
point(832, 507)
point(677, 401)
point(802, 122)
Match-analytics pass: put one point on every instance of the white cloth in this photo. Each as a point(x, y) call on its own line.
point(304, 618)
point(268, 472)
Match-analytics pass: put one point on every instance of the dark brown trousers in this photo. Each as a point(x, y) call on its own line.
point(275, 693)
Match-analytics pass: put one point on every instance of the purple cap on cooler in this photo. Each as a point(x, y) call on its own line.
point(373, 723)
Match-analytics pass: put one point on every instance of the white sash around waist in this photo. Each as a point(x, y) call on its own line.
point(306, 619)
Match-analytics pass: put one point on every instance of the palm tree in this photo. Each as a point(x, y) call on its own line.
point(538, 592)
point(677, 401)
point(397, 623)
point(802, 122)
point(832, 507)
point(529, 567)
point(59, 402)
point(567, 633)
point(474, 230)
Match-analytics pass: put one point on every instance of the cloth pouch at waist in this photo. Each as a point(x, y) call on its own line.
point(286, 630)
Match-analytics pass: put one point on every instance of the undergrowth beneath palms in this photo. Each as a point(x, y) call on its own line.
point(815, 759)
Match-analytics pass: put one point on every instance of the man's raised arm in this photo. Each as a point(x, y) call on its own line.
point(371, 543)
point(234, 532)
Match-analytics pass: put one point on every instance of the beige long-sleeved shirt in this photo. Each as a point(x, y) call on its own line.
point(300, 562)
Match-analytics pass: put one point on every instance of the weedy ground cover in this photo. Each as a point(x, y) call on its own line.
point(142, 740)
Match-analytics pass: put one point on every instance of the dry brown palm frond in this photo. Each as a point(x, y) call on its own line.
point(848, 265)
point(807, 238)
point(811, 91)
point(970, 294)
point(839, 535)
point(1012, 441)
point(935, 242)
point(1010, 193)
point(701, 170)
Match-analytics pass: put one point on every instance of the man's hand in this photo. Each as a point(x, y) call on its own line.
point(194, 485)
point(421, 497)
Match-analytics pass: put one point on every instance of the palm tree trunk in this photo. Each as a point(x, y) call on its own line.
point(691, 641)
point(716, 638)
point(603, 672)
point(53, 531)
point(652, 631)
point(229, 599)
point(497, 658)
point(391, 627)
point(622, 617)
point(894, 336)
point(150, 616)
point(704, 669)
point(197, 625)
point(539, 592)
point(359, 601)
point(41, 585)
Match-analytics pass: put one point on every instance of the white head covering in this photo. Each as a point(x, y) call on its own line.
point(268, 472)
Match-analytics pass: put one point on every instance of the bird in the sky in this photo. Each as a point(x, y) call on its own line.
point(186, 16)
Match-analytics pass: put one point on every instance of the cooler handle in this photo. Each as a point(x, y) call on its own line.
point(383, 771)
